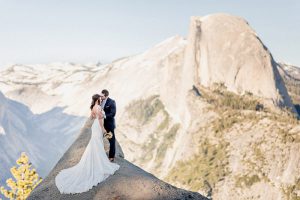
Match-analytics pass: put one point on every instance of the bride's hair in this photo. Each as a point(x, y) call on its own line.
point(95, 97)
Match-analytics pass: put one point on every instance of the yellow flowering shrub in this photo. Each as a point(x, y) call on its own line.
point(26, 179)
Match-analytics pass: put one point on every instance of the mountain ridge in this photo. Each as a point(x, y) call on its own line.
point(167, 119)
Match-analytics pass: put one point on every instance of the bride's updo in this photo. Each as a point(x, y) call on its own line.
point(95, 97)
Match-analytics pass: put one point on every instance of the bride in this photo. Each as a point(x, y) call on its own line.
point(94, 165)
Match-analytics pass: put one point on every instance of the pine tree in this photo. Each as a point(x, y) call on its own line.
point(26, 179)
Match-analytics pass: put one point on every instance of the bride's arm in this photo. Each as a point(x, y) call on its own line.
point(100, 118)
point(93, 114)
point(95, 111)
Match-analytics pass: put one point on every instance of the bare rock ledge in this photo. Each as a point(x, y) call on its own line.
point(129, 182)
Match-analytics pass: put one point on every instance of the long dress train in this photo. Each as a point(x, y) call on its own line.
point(93, 167)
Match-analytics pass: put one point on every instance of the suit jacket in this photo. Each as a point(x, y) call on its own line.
point(110, 113)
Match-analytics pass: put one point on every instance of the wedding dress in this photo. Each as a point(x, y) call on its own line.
point(93, 167)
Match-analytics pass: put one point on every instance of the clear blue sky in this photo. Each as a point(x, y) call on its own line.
point(43, 31)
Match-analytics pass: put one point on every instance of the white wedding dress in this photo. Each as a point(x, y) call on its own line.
point(93, 167)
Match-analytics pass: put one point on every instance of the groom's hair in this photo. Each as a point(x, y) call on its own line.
point(105, 92)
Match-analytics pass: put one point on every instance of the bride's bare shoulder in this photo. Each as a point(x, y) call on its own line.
point(94, 110)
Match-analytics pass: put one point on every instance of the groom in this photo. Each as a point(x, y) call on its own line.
point(109, 107)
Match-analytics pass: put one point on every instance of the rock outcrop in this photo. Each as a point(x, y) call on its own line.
point(224, 49)
point(129, 182)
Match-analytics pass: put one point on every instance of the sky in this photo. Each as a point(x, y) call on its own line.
point(35, 31)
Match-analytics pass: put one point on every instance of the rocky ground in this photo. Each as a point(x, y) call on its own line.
point(129, 182)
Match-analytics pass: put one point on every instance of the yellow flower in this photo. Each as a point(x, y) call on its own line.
point(26, 179)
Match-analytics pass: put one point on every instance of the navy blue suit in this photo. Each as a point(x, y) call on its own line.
point(110, 124)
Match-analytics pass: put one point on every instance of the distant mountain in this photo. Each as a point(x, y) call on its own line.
point(42, 87)
point(291, 71)
point(39, 135)
point(208, 113)
point(291, 77)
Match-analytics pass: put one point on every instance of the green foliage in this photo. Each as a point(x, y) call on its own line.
point(291, 192)
point(222, 98)
point(149, 148)
point(255, 164)
point(145, 109)
point(203, 170)
point(168, 140)
point(231, 108)
point(285, 116)
point(26, 179)
point(165, 123)
point(285, 136)
point(163, 137)
point(247, 181)
point(225, 122)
